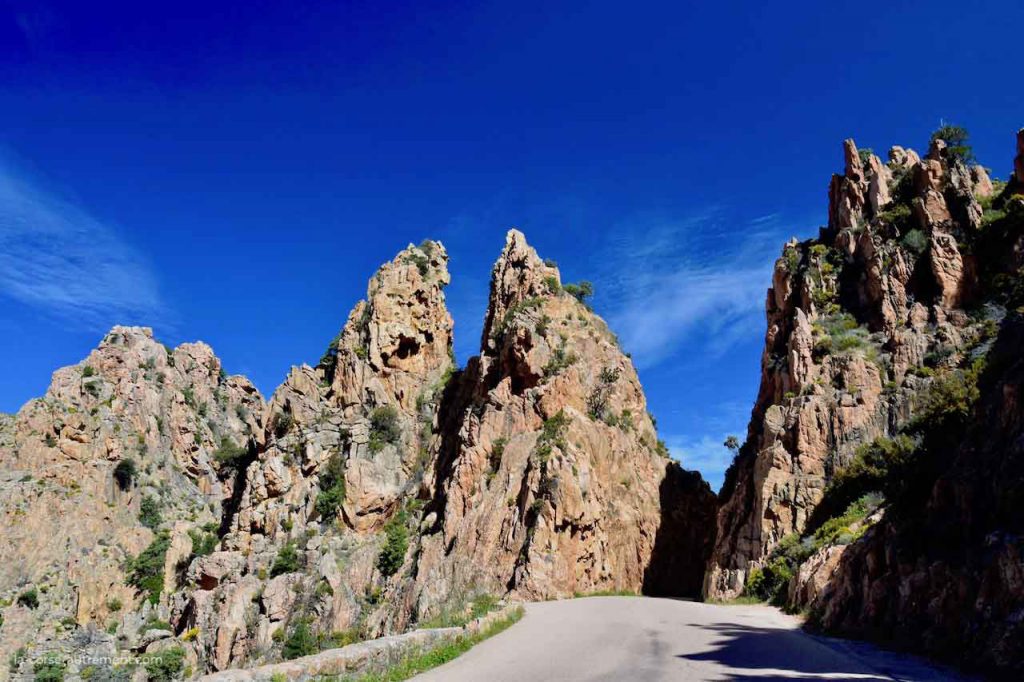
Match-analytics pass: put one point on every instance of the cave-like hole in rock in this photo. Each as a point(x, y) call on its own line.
point(407, 347)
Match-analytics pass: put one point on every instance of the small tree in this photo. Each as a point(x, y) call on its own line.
point(124, 473)
point(332, 488)
point(49, 669)
point(300, 643)
point(581, 291)
point(166, 665)
point(395, 545)
point(287, 561)
point(955, 138)
point(29, 598)
point(146, 571)
point(149, 513)
point(229, 455)
point(384, 427)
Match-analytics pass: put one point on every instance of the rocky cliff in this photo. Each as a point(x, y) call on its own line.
point(877, 337)
point(549, 472)
point(118, 460)
point(161, 506)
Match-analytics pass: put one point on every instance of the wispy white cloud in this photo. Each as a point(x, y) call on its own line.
point(697, 282)
point(56, 257)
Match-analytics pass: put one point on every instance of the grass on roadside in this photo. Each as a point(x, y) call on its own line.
point(742, 600)
point(462, 614)
point(422, 661)
point(605, 593)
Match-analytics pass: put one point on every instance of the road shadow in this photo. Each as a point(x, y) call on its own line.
point(769, 654)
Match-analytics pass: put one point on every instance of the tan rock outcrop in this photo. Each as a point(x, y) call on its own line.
point(848, 319)
point(552, 469)
point(66, 520)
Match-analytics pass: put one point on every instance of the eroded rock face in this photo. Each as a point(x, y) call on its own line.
point(378, 489)
point(551, 466)
point(857, 321)
point(68, 523)
point(944, 573)
point(359, 427)
point(905, 325)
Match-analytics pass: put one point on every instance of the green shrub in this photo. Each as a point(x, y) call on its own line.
point(29, 598)
point(459, 613)
point(384, 428)
point(166, 665)
point(341, 638)
point(849, 342)
point(497, 451)
point(580, 291)
point(769, 582)
point(551, 282)
point(49, 669)
point(114, 604)
point(146, 571)
point(154, 623)
point(951, 396)
point(498, 331)
point(839, 323)
point(286, 561)
point(301, 642)
point(332, 488)
point(15, 659)
point(552, 435)
point(88, 371)
point(915, 241)
point(883, 466)
point(956, 139)
point(561, 358)
point(229, 455)
point(283, 422)
point(205, 541)
point(898, 216)
point(792, 257)
point(597, 401)
point(124, 473)
point(329, 360)
point(837, 530)
point(149, 512)
point(421, 262)
point(396, 542)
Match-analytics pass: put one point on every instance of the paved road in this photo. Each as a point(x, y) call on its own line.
point(641, 639)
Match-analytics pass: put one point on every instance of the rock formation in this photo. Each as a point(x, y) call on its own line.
point(549, 473)
point(379, 490)
point(122, 444)
point(862, 492)
point(942, 571)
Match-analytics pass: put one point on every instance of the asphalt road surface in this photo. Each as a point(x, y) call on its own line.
point(640, 639)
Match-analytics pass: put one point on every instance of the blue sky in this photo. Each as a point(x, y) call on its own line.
point(236, 174)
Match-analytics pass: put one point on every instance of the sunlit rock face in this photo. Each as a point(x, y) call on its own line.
point(73, 510)
point(905, 311)
point(155, 503)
